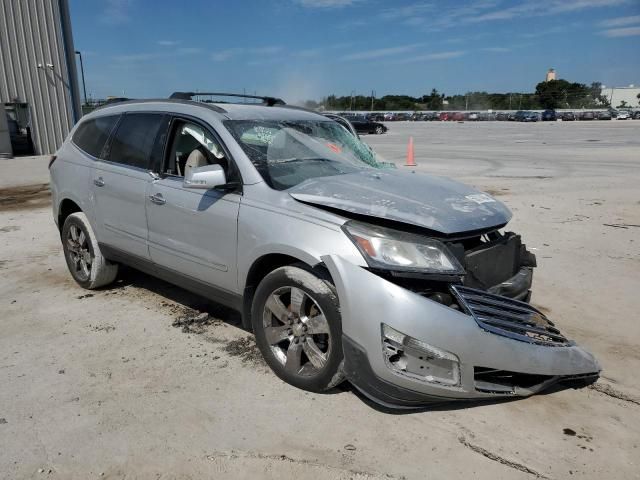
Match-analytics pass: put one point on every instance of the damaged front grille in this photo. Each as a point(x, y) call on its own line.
point(491, 380)
point(509, 318)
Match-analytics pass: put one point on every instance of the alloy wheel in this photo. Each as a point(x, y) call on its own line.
point(297, 331)
point(79, 252)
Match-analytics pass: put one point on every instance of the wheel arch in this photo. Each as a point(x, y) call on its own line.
point(66, 208)
point(264, 265)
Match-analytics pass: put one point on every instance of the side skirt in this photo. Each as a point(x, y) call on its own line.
point(218, 295)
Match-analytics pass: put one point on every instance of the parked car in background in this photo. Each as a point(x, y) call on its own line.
point(458, 116)
point(402, 117)
point(623, 116)
point(389, 116)
point(406, 284)
point(363, 125)
point(375, 117)
point(567, 116)
point(526, 116)
point(587, 116)
point(342, 121)
point(502, 116)
point(473, 116)
point(549, 116)
point(604, 115)
point(443, 116)
point(636, 115)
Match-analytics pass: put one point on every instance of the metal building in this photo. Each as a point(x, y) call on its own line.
point(38, 79)
point(617, 95)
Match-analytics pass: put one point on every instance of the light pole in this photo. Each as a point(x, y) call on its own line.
point(84, 87)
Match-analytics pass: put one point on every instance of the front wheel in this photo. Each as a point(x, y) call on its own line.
point(379, 130)
point(296, 321)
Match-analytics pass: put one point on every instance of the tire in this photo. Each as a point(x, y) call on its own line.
point(379, 130)
point(88, 267)
point(292, 340)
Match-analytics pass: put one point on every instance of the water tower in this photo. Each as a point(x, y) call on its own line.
point(551, 74)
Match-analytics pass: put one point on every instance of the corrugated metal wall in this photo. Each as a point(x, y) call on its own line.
point(38, 67)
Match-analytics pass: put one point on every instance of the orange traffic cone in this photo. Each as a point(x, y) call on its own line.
point(411, 162)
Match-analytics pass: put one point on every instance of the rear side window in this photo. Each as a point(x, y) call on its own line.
point(133, 141)
point(91, 135)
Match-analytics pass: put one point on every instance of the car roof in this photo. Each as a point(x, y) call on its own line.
point(230, 111)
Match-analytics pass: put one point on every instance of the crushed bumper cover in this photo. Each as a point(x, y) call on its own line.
point(490, 365)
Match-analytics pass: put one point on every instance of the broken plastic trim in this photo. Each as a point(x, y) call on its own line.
point(416, 359)
point(509, 318)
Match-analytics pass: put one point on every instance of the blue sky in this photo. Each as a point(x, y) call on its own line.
point(300, 49)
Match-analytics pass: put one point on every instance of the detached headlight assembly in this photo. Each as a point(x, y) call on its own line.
point(393, 250)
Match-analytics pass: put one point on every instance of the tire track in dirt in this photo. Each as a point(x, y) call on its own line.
point(497, 458)
point(26, 197)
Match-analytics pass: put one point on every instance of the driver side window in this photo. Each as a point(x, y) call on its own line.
point(192, 147)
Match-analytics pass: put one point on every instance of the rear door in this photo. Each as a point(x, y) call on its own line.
point(194, 231)
point(121, 183)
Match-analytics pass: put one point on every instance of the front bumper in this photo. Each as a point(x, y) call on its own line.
point(367, 301)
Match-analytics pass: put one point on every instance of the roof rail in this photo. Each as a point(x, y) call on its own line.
point(113, 100)
point(268, 101)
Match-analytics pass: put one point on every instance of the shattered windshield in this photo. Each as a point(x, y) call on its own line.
point(287, 153)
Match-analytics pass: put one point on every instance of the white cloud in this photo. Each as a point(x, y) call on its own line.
point(116, 12)
point(146, 56)
point(325, 50)
point(433, 56)
point(621, 32)
point(407, 11)
point(381, 52)
point(496, 49)
point(224, 55)
point(621, 21)
point(326, 3)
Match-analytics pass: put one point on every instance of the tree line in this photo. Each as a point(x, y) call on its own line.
point(552, 94)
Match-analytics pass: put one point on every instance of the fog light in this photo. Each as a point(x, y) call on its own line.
point(416, 359)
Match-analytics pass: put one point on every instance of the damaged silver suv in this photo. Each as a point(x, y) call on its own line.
point(403, 283)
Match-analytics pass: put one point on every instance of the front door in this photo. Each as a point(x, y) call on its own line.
point(191, 231)
point(121, 183)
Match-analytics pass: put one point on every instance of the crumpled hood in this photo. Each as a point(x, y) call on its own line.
point(436, 203)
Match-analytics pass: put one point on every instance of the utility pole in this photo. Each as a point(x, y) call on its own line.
point(466, 101)
point(509, 101)
point(84, 87)
point(373, 95)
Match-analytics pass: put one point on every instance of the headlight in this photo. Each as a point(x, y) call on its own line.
point(394, 250)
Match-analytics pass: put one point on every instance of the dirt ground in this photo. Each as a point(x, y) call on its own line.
point(144, 380)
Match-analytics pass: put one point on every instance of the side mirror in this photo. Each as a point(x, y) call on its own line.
point(206, 177)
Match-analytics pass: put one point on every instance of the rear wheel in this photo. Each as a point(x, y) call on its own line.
point(296, 321)
point(88, 267)
point(379, 130)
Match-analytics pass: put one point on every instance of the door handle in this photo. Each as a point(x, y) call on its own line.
point(98, 182)
point(158, 199)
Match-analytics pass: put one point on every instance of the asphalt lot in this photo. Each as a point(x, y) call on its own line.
point(103, 385)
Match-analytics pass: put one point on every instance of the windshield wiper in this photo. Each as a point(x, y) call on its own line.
point(292, 160)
